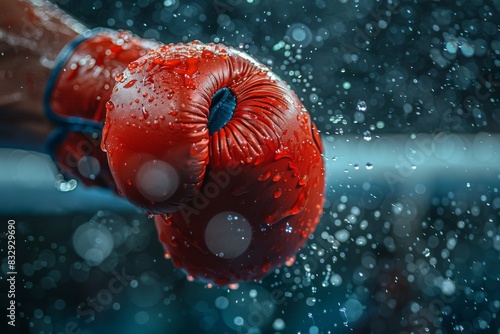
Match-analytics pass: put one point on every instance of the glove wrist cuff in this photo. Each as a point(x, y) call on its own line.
point(59, 66)
point(83, 77)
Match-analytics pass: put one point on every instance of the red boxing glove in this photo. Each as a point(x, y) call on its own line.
point(211, 138)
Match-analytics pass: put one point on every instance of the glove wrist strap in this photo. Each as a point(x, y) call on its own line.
point(60, 63)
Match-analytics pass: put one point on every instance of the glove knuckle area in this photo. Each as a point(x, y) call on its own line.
point(164, 99)
point(156, 137)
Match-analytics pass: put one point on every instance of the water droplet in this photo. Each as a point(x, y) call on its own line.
point(207, 54)
point(451, 46)
point(133, 65)
point(145, 113)
point(467, 49)
point(110, 106)
point(313, 98)
point(93, 242)
point(288, 228)
point(120, 77)
point(361, 106)
point(170, 93)
point(65, 186)
point(336, 280)
point(426, 252)
point(277, 193)
point(302, 181)
point(173, 241)
point(367, 135)
point(363, 225)
point(89, 167)
point(448, 287)
point(310, 302)
point(130, 83)
point(342, 235)
point(361, 241)
point(279, 324)
point(344, 315)
point(263, 72)
point(369, 165)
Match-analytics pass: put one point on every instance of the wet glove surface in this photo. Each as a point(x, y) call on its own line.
point(221, 146)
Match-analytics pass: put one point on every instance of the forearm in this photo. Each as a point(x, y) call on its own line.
point(31, 37)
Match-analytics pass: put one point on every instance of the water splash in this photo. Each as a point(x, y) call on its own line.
point(361, 106)
point(65, 186)
point(310, 315)
point(344, 315)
